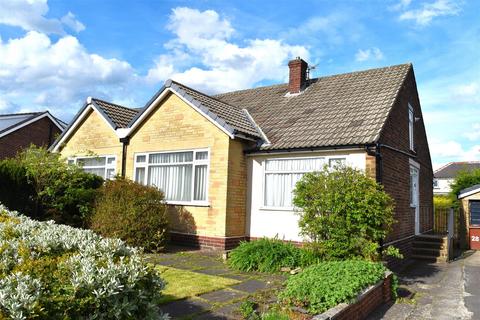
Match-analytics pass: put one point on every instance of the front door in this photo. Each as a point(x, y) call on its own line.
point(414, 196)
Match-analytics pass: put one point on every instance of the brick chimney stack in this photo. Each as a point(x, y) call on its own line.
point(298, 75)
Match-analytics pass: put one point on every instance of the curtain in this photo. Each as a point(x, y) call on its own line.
point(281, 177)
point(140, 175)
point(200, 192)
point(98, 171)
point(171, 157)
point(90, 162)
point(175, 181)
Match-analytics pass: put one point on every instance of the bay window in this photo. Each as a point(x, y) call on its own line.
point(103, 166)
point(181, 176)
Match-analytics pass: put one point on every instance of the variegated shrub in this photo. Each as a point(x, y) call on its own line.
point(59, 272)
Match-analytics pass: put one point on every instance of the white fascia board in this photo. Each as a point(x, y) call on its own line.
point(162, 96)
point(43, 115)
point(122, 132)
point(469, 193)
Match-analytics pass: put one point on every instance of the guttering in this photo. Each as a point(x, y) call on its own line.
point(124, 141)
point(304, 150)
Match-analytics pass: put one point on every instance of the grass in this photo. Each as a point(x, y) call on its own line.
point(183, 284)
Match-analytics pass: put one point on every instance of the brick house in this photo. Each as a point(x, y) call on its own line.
point(228, 163)
point(20, 130)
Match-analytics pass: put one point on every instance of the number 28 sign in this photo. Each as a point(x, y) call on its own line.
point(475, 238)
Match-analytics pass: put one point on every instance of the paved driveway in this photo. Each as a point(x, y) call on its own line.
point(438, 291)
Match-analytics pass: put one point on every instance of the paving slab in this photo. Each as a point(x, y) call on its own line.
point(183, 308)
point(250, 286)
point(221, 296)
point(214, 272)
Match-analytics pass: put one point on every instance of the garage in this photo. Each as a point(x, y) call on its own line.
point(470, 203)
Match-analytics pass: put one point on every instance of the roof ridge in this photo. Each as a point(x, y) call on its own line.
point(114, 104)
point(22, 113)
point(323, 77)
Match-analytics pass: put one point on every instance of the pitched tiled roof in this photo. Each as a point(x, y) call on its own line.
point(119, 115)
point(8, 121)
point(234, 116)
point(451, 170)
point(344, 109)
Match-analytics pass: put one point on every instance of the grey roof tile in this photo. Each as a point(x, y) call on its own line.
point(451, 170)
point(119, 115)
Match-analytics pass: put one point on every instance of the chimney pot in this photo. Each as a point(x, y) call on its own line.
point(298, 75)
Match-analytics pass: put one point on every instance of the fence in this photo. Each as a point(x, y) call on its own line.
point(440, 221)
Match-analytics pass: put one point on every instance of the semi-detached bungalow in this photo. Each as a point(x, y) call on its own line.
point(228, 163)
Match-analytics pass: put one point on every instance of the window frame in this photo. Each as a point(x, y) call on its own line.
point(326, 159)
point(194, 163)
point(107, 166)
point(411, 127)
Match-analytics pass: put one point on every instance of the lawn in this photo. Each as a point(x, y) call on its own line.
point(183, 284)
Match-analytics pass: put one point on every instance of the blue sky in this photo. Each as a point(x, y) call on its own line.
point(55, 54)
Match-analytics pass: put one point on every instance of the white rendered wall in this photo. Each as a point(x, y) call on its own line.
point(283, 223)
point(443, 186)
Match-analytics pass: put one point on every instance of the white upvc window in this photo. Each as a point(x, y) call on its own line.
point(281, 176)
point(181, 175)
point(411, 121)
point(103, 165)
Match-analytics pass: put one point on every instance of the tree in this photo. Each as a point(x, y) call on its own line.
point(343, 213)
point(464, 179)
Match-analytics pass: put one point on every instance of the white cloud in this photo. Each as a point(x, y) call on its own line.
point(474, 135)
point(425, 14)
point(451, 150)
point(369, 54)
point(70, 21)
point(401, 5)
point(30, 16)
point(42, 72)
point(203, 39)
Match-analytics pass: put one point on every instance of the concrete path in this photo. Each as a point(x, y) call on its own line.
point(438, 291)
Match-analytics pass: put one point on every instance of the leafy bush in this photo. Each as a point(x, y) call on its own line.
point(51, 271)
point(464, 179)
point(344, 213)
point(132, 212)
point(269, 255)
point(327, 284)
point(50, 187)
point(442, 202)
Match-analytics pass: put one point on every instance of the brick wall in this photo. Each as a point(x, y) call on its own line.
point(41, 133)
point(396, 166)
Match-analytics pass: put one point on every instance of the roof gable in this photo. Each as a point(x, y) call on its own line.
point(450, 170)
point(12, 122)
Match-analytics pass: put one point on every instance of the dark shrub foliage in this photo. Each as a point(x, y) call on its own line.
point(344, 213)
point(50, 187)
point(269, 255)
point(463, 180)
point(132, 212)
point(327, 284)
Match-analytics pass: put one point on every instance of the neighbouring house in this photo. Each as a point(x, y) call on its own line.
point(470, 216)
point(228, 163)
point(20, 130)
point(444, 176)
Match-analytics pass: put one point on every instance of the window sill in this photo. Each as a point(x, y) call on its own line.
point(277, 209)
point(188, 204)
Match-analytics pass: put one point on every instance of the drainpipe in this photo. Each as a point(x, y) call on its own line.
point(125, 141)
point(378, 173)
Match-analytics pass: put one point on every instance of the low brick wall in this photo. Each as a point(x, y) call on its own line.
point(366, 302)
point(197, 241)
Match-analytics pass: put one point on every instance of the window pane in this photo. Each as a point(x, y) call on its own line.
point(140, 175)
point(171, 157)
point(200, 183)
point(279, 188)
point(71, 161)
point(310, 164)
point(89, 162)
point(141, 158)
point(475, 212)
point(98, 171)
point(203, 155)
point(110, 174)
point(174, 181)
point(110, 160)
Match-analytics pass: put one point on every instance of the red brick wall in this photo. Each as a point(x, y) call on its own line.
point(41, 133)
point(396, 167)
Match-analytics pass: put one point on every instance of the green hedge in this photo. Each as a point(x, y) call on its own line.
point(50, 271)
point(269, 255)
point(15, 190)
point(132, 212)
point(327, 284)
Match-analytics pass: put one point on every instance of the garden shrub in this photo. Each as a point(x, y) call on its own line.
point(269, 255)
point(132, 212)
point(343, 213)
point(464, 179)
point(323, 286)
point(50, 187)
point(51, 271)
point(442, 202)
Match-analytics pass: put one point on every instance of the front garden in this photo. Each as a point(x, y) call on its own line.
point(52, 270)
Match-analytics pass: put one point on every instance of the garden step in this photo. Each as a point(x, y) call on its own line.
point(429, 244)
point(428, 252)
point(431, 238)
point(428, 258)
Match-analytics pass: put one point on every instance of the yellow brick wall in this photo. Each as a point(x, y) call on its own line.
point(173, 126)
point(95, 136)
